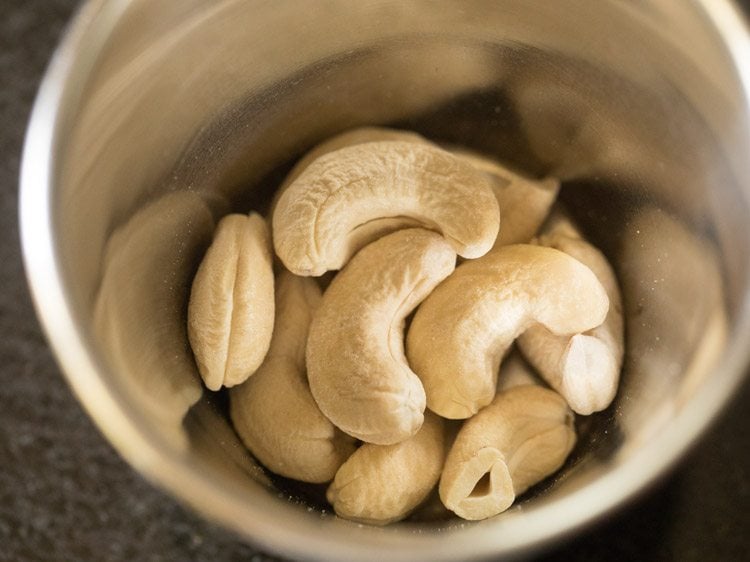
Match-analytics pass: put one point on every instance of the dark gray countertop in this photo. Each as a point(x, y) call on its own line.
point(66, 495)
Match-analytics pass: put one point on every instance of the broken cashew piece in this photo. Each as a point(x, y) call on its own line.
point(380, 484)
point(463, 329)
point(522, 437)
point(584, 368)
point(316, 219)
point(356, 365)
point(524, 202)
point(231, 308)
point(274, 412)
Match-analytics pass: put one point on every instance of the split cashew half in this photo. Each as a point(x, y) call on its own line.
point(231, 309)
point(524, 202)
point(584, 368)
point(380, 484)
point(356, 365)
point(316, 220)
point(274, 412)
point(522, 437)
point(463, 329)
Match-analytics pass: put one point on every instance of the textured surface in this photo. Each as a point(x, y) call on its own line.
point(66, 495)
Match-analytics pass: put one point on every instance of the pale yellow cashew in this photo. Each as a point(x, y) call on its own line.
point(463, 329)
point(316, 219)
point(584, 368)
point(522, 437)
point(231, 309)
point(380, 484)
point(274, 412)
point(356, 366)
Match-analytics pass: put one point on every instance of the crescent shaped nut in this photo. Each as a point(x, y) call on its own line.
point(380, 484)
point(349, 188)
point(522, 437)
point(274, 412)
point(583, 368)
point(463, 329)
point(356, 365)
point(231, 308)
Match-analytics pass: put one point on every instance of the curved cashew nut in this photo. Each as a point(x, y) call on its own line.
point(343, 190)
point(462, 330)
point(380, 484)
point(231, 308)
point(524, 202)
point(584, 368)
point(274, 412)
point(355, 352)
point(522, 437)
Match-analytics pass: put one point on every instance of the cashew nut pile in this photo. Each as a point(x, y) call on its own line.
point(354, 384)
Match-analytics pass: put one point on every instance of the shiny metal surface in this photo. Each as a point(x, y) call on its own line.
point(156, 118)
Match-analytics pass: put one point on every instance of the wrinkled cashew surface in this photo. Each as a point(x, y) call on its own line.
point(231, 308)
point(355, 353)
point(463, 329)
point(584, 368)
point(273, 411)
point(349, 188)
point(380, 484)
point(523, 436)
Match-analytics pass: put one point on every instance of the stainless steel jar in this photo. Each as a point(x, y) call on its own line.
point(155, 118)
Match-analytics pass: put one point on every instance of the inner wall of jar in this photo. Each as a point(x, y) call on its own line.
point(643, 173)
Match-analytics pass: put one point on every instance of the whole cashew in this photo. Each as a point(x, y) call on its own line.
point(524, 202)
point(350, 188)
point(523, 436)
point(231, 308)
point(273, 411)
point(356, 366)
point(463, 329)
point(584, 368)
point(380, 484)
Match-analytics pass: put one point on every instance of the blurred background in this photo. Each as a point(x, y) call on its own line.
point(65, 494)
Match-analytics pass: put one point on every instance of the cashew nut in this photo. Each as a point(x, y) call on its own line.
point(348, 189)
point(584, 368)
point(523, 436)
point(462, 330)
point(380, 484)
point(524, 202)
point(273, 411)
point(231, 309)
point(356, 365)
